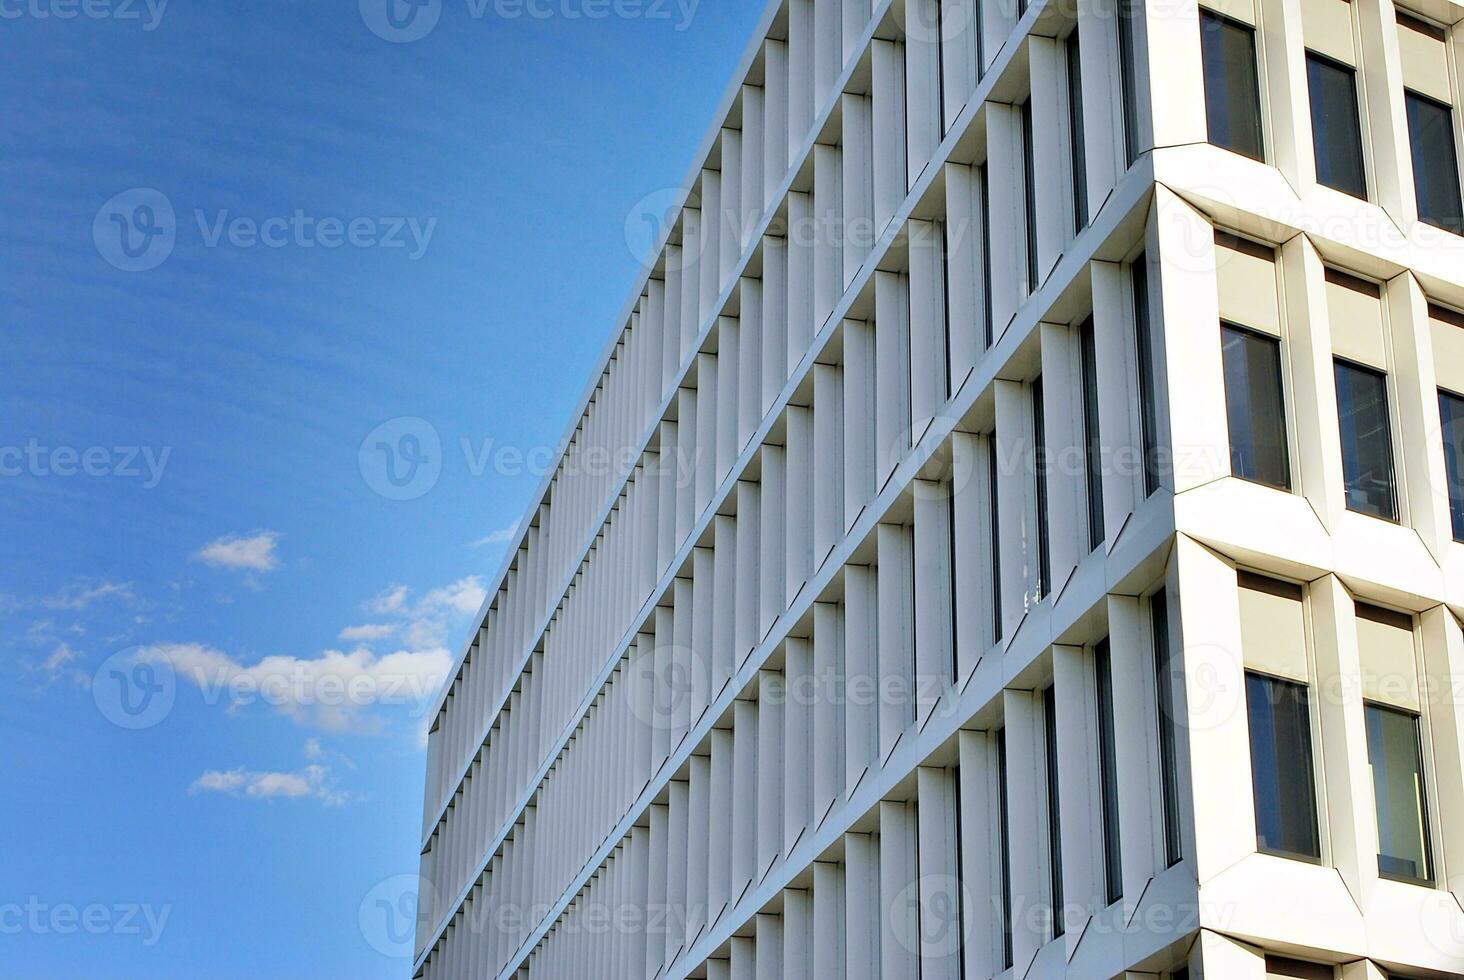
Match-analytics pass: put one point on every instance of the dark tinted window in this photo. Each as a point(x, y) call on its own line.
point(1367, 441)
point(1336, 126)
point(1232, 85)
point(1108, 775)
point(1128, 24)
point(1054, 810)
point(1451, 412)
point(1039, 460)
point(1092, 438)
point(1029, 195)
point(1168, 755)
point(1281, 767)
point(1435, 162)
point(1255, 407)
point(1075, 131)
point(1148, 382)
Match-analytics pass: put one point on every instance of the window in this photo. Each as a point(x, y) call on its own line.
point(1336, 126)
point(1108, 774)
point(1281, 767)
point(1255, 406)
point(1075, 132)
point(1285, 966)
point(988, 331)
point(1029, 195)
point(1232, 84)
point(1148, 383)
point(1164, 695)
point(1451, 414)
point(1435, 162)
point(1092, 439)
point(1006, 854)
point(1054, 810)
point(1367, 440)
point(993, 475)
point(1128, 13)
point(1039, 465)
point(1395, 755)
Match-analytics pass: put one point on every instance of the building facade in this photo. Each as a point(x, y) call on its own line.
point(1015, 531)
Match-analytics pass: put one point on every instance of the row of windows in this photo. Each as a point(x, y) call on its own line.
point(1256, 403)
point(1282, 761)
point(1234, 112)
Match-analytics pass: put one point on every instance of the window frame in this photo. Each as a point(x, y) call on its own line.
point(1420, 746)
point(1339, 364)
point(1056, 899)
point(1358, 117)
point(1108, 772)
point(1453, 464)
point(1092, 433)
point(1317, 798)
point(1077, 134)
point(1167, 736)
point(1410, 95)
point(1039, 472)
point(1223, 20)
point(1281, 399)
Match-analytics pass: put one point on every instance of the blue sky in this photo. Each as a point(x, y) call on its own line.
point(237, 240)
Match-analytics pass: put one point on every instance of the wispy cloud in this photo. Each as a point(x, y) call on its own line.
point(254, 553)
point(76, 598)
point(368, 632)
point(464, 596)
point(501, 536)
point(392, 600)
point(313, 781)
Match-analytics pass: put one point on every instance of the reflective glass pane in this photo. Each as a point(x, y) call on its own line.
point(1256, 408)
point(1232, 85)
point(1435, 162)
point(1398, 794)
point(1336, 130)
point(1281, 767)
point(1367, 441)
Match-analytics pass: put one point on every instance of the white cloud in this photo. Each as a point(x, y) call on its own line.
point(501, 536)
point(255, 553)
point(75, 598)
point(464, 596)
point(334, 690)
point(59, 657)
point(393, 600)
point(368, 632)
point(312, 781)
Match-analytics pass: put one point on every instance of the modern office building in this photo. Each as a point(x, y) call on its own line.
point(1014, 530)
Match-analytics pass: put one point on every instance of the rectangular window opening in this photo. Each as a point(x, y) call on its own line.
point(1232, 84)
point(1336, 125)
point(1282, 776)
point(1255, 406)
point(1367, 440)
